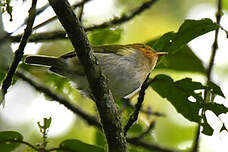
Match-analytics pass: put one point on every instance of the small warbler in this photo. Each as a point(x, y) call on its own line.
point(125, 66)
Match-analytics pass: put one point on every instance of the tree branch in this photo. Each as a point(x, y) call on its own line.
point(41, 37)
point(91, 120)
point(148, 111)
point(7, 35)
point(62, 35)
point(98, 83)
point(124, 18)
point(134, 115)
point(209, 70)
point(80, 4)
point(151, 126)
point(81, 9)
point(21, 142)
point(38, 11)
point(215, 44)
point(20, 51)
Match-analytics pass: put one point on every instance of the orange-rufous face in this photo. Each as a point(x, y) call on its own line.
point(148, 51)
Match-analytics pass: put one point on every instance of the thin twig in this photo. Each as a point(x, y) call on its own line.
point(38, 11)
point(91, 120)
point(81, 9)
point(55, 17)
point(215, 44)
point(133, 141)
point(21, 142)
point(124, 18)
point(127, 103)
point(42, 9)
point(20, 51)
point(134, 115)
point(40, 36)
point(62, 34)
point(7, 35)
point(151, 126)
point(43, 36)
point(209, 70)
point(196, 141)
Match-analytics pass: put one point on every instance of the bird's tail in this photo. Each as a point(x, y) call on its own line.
point(42, 60)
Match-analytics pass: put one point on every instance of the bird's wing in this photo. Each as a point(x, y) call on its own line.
point(120, 50)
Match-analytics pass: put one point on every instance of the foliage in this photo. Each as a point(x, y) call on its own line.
point(44, 130)
point(5, 4)
point(186, 95)
point(176, 45)
point(179, 95)
point(178, 92)
point(190, 29)
point(8, 140)
point(187, 60)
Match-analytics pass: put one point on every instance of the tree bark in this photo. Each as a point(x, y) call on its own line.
point(98, 83)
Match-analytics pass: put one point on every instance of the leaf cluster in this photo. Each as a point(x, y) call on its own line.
point(5, 4)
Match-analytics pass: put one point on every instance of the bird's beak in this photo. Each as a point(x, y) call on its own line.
point(161, 53)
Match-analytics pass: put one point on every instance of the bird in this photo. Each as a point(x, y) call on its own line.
point(125, 66)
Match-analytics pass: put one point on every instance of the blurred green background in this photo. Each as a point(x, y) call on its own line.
point(172, 131)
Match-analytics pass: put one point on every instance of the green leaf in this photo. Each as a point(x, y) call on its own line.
point(135, 130)
point(179, 93)
point(45, 126)
point(134, 148)
point(165, 41)
point(6, 7)
point(215, 89)
point(105, 36)
point(207, 130)
point(78, 146)
point(47, 122)
point(6, 137)
point(223, 128)
point(176, 45)
point(189, 30)
point(187, 60)
point(216, 108)
point(100, 138)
